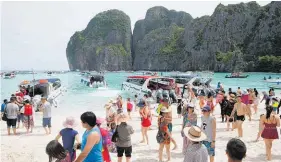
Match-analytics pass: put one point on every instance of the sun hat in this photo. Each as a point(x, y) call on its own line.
point(194, 133)
point(100, 120)
point(206, 108)
point(70, 122)
point(232, 95)
point(165, 110)
point(190, 106)
point(141, 103)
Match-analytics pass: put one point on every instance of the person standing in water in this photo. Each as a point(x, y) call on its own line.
point(241, 110)
point(209, 128)
point(91, 147)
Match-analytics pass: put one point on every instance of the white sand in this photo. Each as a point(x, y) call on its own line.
point(31, 147)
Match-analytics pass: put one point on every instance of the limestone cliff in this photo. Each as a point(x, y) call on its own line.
point(240, 37)
point(232, 39)
point(105, 44)
point(157, 38)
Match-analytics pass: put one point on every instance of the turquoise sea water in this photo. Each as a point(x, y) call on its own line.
point(79, 97)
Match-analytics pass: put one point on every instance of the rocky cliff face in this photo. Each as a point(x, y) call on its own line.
point(159, 38)
point(233, 38)
point(105, 44)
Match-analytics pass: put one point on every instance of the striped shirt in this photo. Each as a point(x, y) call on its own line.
point(196, 153)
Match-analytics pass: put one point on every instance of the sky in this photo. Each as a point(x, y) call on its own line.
point(35, 34)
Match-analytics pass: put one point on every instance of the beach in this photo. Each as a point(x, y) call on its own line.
point(31, 147)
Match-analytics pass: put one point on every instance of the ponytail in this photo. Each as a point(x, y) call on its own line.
point(268, 111)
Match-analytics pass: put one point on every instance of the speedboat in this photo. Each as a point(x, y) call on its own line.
point(144, 84)
point(236, 75)
point(49, 73)
point(200, 85)
point(277, 80)
point(9, 75)
point(49, 88)
point(182, 78)
point(94, 80)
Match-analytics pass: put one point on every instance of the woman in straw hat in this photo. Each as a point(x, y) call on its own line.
point(163, 135)
point(189, 119)
point(69, 135)
point(196, 151)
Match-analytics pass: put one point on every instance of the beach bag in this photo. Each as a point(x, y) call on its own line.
point(4, 117)
point(160, 137)
point(115, 136)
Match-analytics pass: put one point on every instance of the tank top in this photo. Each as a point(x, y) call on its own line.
point(96, 153)
point(207, 127)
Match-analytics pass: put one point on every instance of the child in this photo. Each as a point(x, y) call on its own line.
point(106, 140)
point(69, 135)
point(260, 129)
point(129, 107)
point(56, 152)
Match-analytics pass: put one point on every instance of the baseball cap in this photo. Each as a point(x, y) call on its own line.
point(206, 108)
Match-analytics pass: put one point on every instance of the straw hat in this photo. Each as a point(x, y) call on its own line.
point(194, 133)
point(165, 110)
point(70, 122)
point(232, 95)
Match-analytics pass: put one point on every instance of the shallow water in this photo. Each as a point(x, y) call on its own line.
point(79, 97)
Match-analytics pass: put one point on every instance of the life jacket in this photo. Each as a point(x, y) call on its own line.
point(27, 109)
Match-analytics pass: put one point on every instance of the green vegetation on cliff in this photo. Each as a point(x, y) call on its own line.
point(224, 57)
point(116, 49)
point(107, 21)
point(174, 43)
point(269, 63)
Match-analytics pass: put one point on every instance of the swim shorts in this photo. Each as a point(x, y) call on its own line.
point(242, 117)
point(211, 151)
point(47, 122)
point(11, 123)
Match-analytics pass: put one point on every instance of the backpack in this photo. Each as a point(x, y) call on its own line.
point(27, 109)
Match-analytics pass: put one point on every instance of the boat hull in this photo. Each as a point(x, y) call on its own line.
point(94, 84)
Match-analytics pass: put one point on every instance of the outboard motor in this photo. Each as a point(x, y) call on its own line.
point(173, 95)
point(166, 95)
point(159, 95)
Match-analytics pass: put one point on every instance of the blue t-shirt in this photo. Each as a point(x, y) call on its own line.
point(3, 107)
point(68, 138)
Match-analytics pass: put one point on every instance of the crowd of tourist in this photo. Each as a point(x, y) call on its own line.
point(113, 133)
